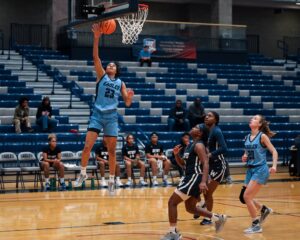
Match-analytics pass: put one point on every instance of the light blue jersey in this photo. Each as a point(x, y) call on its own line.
point(107, 94)
point(257, 154)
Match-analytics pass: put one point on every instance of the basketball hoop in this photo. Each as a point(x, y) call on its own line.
point(132, 24)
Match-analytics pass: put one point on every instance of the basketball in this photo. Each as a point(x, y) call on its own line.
point(109, 26)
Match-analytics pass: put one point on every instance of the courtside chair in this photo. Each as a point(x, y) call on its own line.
point(29, 164)
point(10, 166)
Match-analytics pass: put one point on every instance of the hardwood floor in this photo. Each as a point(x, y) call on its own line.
point(142, 214)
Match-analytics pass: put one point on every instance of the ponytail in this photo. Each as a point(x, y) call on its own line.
point(265, 127)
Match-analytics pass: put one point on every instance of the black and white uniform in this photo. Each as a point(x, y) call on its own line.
point(189, 184)
point(217, 147)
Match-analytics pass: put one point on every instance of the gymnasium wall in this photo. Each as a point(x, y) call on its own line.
point(20, 11)
point(269, 26)
point(260, 21)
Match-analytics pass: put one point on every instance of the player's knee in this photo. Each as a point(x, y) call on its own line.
point(45, 166)
point(171, 203)
point(242, 195)
point(128, 164)
point(61, 165)
point(102, 164)
point(190, 209)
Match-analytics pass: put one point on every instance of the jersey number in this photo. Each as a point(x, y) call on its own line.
point(250, 155)
point(109, 93)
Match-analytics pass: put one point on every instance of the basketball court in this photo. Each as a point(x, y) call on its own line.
point(142, 214)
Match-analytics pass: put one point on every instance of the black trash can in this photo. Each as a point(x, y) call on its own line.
point(294, 165)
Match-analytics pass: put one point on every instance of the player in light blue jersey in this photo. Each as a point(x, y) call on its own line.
point(257, 143)
point(108, 89)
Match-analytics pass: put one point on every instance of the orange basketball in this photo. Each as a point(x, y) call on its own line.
point(109, 26)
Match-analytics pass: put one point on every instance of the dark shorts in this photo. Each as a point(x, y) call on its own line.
point(217, 169)
point(189, 185)
point(41, 166)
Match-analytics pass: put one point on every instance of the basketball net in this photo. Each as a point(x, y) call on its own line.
point(132, 24)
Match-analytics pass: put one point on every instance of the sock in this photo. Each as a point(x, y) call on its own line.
point(47, 180)
point(111, 178)
point(165, 177)
point(83, 170)
point(215, 217)
point(129, 179)
point(118, 178)
point(154, 178)
point(141, 178)
point(173, 229)
point(255, 221)
point(103, 179)
point(263, 208)
point(62, 180)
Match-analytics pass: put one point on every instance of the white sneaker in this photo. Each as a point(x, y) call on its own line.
point(111, 187)
point(119, 183)
point(143, 183)
point(80, 180)
point(129, 183)
point(155, 183)
point(103, 183)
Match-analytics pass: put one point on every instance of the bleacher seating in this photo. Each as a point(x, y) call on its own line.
point(235, 91)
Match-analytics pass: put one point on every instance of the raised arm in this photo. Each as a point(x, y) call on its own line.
point(127, 95)
point(96, 29)
point(179, 160)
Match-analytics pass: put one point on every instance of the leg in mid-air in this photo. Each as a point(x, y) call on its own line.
point(90, 140)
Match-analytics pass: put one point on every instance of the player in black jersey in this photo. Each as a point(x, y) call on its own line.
point(131, 156)
point(193, 183)
point(157, 160)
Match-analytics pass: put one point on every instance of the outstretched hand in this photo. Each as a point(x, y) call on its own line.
point(177, 149)
point(97, 30)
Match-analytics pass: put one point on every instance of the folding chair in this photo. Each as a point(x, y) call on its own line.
point(9, 165)
point(29, 164)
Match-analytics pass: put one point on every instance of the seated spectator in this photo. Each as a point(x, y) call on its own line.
point(157, 159)
point(177, 118)
point(131, 155)
point(44, 114)
point(52, 158)
point(184, 142)
point(21, 116)
point(103, 161)
point(196, 113)
point(145, 56)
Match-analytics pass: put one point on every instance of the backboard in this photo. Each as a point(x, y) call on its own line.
point(95, 10)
